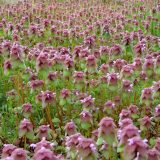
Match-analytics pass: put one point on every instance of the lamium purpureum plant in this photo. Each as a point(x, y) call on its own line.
point(80, 80)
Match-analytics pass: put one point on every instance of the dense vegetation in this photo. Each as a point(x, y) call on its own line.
point(80, 80)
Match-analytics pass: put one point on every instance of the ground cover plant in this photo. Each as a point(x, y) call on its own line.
point(80, 80)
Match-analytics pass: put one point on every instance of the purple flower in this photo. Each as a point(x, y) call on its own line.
point(157, 113)
point(43, 131)
point(44, 153)
point(145, 123)
point(153, 154)
point(112, 79)
point(27, 109)
point(42, 144)
point(91, 61)
point(126, 133)
point(7, 150)
point(147, 95)
point(118, 64)
point(46, 97)
point(85, 116)
point(125, 122)
point(127, 71)
point(52, 75)
point(104, 68)
point(42, 61)
point(7, 66)
point(19, 154)
point(156, 88)
point(139, 48)
point(16, 52)
point(157, 145)
point(86, 148)
point(25, 128)
point(127, 85)
point(70, 128)
point(34, 84)
point(107, 129)
point(116, 50)
point(72, 141)
point(65, 93)
point(78, 76)
point(135, 145)
point(124, 114)
point(87, 101)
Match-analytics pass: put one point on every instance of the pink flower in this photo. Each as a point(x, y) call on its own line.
point(85, 116)
point(27, 109)
point(34, 84)
point(42, 144)
point(53, 29)
point(65, 93)
point(46, 97)
point(124, 114)
point(147, 95)
point(7, 66)
point(148, 65)
point(72, 141)
point(135, 145)
point(91, 62)
point(125, 122)
point(43, 131)
point(133, 109)
point(139, 48)
point(157, 62)
point(42, 61)
point(112, 78)
point(118, 64)
point(128, 132)
point(89, 41)
point(116, 50)
point(104, 68)
point(143, 75)
point(6, 44)
point(127, 85)
point(16, 52)
point(145, 123)
point(157, 145)
point(127, 71)
point(78, 76)
point(153, 154)
point(7, 150)
point(156, 87)
point(86, 148)
point(52, 75)
point(107, 129)
point(19, 154)
point(137, 63)
point(44, 153)
point(87, 101)
point(109, 106)
point(70, 128)
point(157, 113)
point(25, 128)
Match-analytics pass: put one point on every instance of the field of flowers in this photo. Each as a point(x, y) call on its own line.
point(80, 80)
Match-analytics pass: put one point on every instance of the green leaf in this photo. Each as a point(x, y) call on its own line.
point(30, 135)
point(152, 141)
point(135, 116)
point(62, 102)
point(55, 120)
point(99, 141)
point(85, 125)
point(120, 149)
